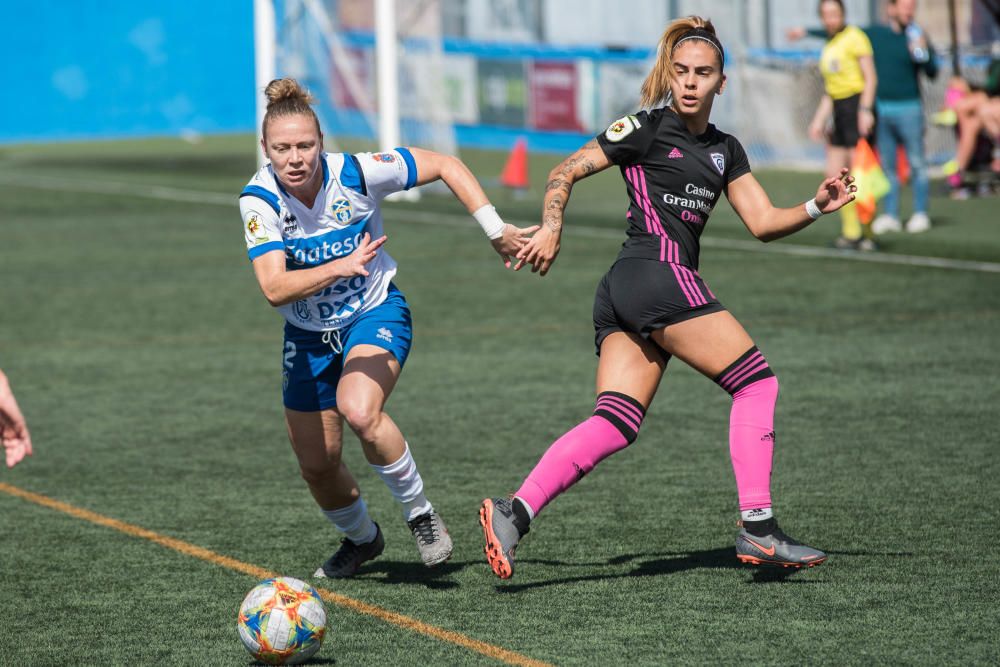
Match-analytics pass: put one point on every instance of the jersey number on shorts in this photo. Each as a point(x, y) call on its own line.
point(290, 351)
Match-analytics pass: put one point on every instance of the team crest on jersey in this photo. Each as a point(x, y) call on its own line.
point(384, 157)
point(302, 310)
point(254, 227)
point(341, 209)
point(621, 128)
point(719, 160)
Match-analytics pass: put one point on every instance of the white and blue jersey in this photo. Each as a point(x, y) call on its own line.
point(345, 209)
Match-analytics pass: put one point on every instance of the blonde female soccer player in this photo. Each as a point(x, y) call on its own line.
point(314, 232)
point(652, 304)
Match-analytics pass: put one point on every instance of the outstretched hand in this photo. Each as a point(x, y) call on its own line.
point(354, 264)
point(14, 434)
point(512, 241)
point(540, 251)
point(836, 191)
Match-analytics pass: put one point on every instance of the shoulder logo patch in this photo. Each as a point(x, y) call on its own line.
point(255, 229)
point(341, 209)
point(621, 128)
point(384, 157)
point(719, 161)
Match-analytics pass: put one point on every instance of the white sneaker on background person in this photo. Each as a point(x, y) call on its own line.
point(918, 222)
point(886, 223)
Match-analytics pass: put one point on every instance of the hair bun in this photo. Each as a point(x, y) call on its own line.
point(286, 89)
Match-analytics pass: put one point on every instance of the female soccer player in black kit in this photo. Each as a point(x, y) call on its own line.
point(652, 304)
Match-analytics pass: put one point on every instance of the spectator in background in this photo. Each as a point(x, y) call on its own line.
point(902, 51)
point(13, 431)
point(975, 111)
point(850, 80)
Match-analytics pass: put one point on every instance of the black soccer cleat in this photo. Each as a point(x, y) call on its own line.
point(350, 556)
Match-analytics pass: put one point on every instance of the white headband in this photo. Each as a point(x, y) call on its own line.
point(702, 38)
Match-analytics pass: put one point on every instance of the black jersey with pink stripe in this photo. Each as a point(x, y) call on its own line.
point(673, 179)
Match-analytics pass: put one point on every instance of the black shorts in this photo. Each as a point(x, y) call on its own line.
point(644, 295)
point(845, 122)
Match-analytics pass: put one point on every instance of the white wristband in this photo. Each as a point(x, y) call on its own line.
point(490, 221)
point(812, 210)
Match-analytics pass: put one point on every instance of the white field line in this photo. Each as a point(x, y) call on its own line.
point(167, 193)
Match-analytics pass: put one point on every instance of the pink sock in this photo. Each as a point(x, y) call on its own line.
point(614, 425)
point(751, 441)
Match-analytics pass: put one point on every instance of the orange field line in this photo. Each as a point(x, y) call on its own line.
point(188, 549)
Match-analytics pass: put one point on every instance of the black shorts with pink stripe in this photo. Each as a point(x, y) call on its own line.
point(643, 295)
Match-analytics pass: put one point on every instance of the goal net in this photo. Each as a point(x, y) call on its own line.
point(329, 46)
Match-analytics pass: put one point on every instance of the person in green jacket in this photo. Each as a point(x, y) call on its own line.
point(901, 51)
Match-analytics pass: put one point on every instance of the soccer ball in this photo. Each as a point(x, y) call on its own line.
point(282, 621)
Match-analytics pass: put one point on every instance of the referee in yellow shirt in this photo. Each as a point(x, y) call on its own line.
point(849, 79)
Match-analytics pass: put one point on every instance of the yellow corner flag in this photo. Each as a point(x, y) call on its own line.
point(870, 179)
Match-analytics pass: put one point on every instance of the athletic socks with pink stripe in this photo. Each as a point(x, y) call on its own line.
point(354, 522)
point(613, 426)
point(405, 484)
point(754, 388)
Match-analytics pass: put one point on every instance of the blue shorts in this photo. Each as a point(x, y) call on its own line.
point(312, 368)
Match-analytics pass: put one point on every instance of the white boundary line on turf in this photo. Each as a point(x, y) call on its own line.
point(168, 193)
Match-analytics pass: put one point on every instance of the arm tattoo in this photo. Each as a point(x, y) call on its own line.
point(555, 184)
point(552, 216)
point(557, 190)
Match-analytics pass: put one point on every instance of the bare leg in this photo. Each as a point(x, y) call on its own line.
point(631, 365)
point(316, 438)
point(708, 344)
point(370, 374)
point(970, 123)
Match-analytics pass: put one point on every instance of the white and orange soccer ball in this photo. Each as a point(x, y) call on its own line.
point(282, 621)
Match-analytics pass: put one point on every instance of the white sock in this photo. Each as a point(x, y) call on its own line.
point(354, 522)
point(405, 484)
point(527, 507)
point(757, 514)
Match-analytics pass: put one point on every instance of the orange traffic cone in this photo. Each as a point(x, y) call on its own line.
point(902, 165)
point(515, 172)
